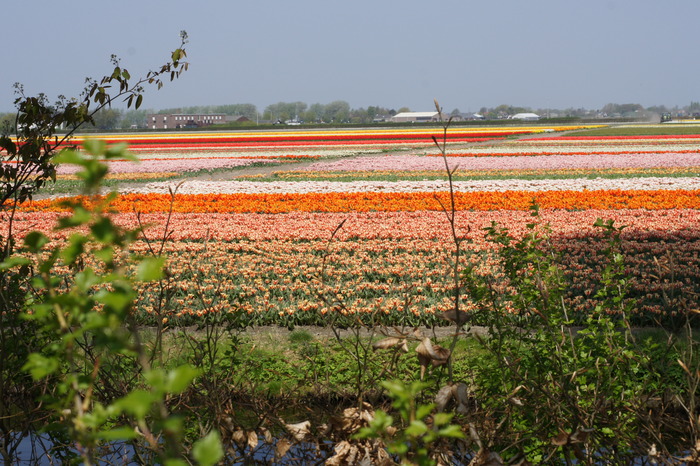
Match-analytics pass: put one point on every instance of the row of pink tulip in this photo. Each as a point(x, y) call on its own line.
point(596, 161)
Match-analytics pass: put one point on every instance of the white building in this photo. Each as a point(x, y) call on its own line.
point(415, 117)
point(526, 116)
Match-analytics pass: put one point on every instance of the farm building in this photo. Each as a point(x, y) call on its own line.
point(526, 116)
point(176, 121)
point(404, 117)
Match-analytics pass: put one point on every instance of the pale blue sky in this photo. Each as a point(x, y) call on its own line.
point(467, 54)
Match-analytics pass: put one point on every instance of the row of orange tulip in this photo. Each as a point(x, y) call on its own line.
point(372, 201)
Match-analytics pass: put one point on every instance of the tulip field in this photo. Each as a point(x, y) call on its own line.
point(309, 227)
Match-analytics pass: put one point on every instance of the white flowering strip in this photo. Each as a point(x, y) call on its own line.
point(281, 187)
point(256, 153)
point(563, 148)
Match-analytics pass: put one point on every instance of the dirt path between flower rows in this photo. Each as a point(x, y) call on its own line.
point(277, 337)
point(292, 166)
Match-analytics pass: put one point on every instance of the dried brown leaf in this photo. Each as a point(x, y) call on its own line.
point(367, 416)
point(267, 435)
point(341, 452)
point(324, 430)
point(240, 438)
point(391, 342)
point(653, 452)
point(353, 418)
point(461, 392)
point(437, 354)
point(685, 368)
point(484, 457)
point(425, 348)
point(561, 439)
point(281, 448)
point(299, 431)
point(444, 354)
point(252, 439)
point(443, 397)
point(580, 436)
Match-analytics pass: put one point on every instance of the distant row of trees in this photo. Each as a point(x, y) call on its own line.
point(610, 110)
point(339, 111)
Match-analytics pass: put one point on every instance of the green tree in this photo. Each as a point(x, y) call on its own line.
point(283, 111)
point(314, 113)
point(7, 123)
point(372, 112)
point(337, 111)
point(135, 118)
point(107, 118)
point(249, 111)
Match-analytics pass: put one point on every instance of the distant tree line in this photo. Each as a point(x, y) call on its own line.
point(611, 110)
point(339, 112)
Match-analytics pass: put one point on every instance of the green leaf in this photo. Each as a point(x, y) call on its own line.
point(119, 433)
point(86, 279)
point(35, 240)
point(150, 269)
point(75, 247)
point(104, 230)
point(118, 151)
point(69, 156)
point(179, 379)
point(378, 425)
point(40, 366)
point(137, 403)
point(395, 388)
point(174, 462)
point(207, 451)
point(95, 146)
point(80, 216)
point(451, 431)
point(423, 410)
point(105, 254)
point(440, 419)
point(14, 262)
point(174, 424)
point(416, 429)
point(156, 378)
point(116, 301)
